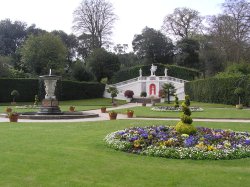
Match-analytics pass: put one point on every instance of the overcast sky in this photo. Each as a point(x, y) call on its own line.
point(134, 15)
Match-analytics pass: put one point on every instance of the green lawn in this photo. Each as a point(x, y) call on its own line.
point(207, 113)
point(74, 154)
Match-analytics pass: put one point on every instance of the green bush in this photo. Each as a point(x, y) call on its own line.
point(219, 90)
point(186, 119)
point(173, 70)
point(187, 100)
point(176, 101)
point(184, 128)
point(185, 109)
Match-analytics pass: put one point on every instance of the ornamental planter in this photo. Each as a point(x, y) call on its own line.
point(13, 118)
point(240, 106)
point(103, 109)
point(112, 116)
point(130, 114)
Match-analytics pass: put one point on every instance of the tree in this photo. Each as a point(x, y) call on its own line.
point(95, 18)
point(113, 92)
point(12, 35)
point(102, 63)
point(81, 73)
point(169, 90)
point(183, 22)
point(71, 43)
point(231, 30)
point(44, 52)
point(153, 46)
point(188, 53)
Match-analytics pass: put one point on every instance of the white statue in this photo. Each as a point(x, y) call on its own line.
point(50, 86)
point(153, 69)
point(166, 72)
point(140, 72)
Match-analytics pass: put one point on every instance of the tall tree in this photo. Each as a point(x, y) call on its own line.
point(231, 30)
point(12, 35)
point(96, 18)
point(102, 63)
point(40, 53)
point(188, 53)
point(183, 22)
point(153, 46)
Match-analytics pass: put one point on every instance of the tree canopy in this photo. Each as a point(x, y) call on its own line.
point(44, 52)
point(95, 18)
point(153, 46)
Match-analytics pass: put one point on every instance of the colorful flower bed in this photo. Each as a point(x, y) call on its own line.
point(175, 109)
point(164, 141)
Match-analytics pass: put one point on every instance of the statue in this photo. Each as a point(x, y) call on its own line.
point(166, 72)
point(140, 72)
point(153, 69)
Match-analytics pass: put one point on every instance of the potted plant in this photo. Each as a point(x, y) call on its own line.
point(112, 115)
point(239, 92)
point(13, 116)
point(143, 94)
point(14, 94)
point(130, 113)
point(129, 95)
point(103, 109)
point(72, 109)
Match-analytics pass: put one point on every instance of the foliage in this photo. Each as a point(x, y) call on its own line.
point(36, 100)
point(162, 93)
point(239, 92)
point(81, 73)
point(218, 90)
point(186, 119)
point(185, 128)
point(129, 93)
point(188, 53)
point(69, 90)
point(163, 141)
point(169, 90)
point(176, 101)
point(113, 92)
point(96, 18)
point(153, 46)
point(143, 94)
point(102, 63)
point(183, 22)
point(187, 100)
point(173, 70)
point(44, 52)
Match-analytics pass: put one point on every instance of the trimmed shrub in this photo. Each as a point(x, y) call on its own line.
point(219, 90)
point(184, 128)
point(176, 101)
point(65, 90)
point(143, 94)
point(129, 93)
point(187, 100)
point(173, 70)
point(186, 119)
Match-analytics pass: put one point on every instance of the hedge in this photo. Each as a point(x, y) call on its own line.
point(173, 70)
point(65, 90)
point(218, 90)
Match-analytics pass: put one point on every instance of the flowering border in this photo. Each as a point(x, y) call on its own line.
point(175, 109)
point(197, 152)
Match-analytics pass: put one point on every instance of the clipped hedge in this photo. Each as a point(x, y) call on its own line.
point(65, 90)
point(173, 70)
point(218, 90)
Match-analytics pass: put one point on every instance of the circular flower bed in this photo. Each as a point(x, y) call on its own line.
point(175, 109)
point(164, 141)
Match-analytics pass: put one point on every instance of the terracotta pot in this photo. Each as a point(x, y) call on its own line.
point(103, 110)
point(112, 116)
point(130, 114)
point(13, 118)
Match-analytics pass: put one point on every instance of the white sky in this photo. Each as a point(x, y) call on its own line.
point(134, 15)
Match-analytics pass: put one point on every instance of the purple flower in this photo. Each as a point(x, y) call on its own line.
point(190, 141)
point(247, 142)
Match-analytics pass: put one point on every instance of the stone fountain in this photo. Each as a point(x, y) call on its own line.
point(50, 105)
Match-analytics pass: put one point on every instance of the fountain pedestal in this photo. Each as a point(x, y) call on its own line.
point(50, 105)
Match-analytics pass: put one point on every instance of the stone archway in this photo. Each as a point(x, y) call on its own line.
point(152, 89)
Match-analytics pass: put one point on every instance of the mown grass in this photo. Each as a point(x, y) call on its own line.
point(74, 154)
point(229, 113)
point(80, 105)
